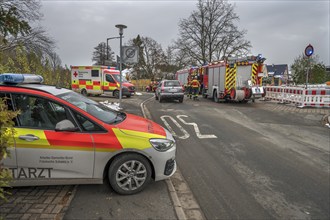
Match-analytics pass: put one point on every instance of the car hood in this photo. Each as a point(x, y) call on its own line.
point(127, 84)
point(141, 126)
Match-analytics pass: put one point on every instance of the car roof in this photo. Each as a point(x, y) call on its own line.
point(54, 90)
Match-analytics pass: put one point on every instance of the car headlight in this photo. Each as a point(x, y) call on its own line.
point(162, 144)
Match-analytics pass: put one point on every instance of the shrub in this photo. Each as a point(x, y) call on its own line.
point(6, 140)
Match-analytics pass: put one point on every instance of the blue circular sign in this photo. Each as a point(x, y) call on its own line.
point(309, 50)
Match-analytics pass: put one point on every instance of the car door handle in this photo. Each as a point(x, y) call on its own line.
point(29, 137)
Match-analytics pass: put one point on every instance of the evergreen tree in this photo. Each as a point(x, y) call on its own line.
point(316, 70)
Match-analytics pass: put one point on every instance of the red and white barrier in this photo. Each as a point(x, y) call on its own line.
point(312, 96)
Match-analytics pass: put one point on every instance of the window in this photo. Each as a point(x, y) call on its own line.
point(171, 83)
point(109, 78)
point(91, 107)
point(95, 73)
point(37, 112)
point(86, 124)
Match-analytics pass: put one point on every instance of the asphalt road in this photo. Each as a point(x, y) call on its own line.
point(244, 161)
point(101, 202)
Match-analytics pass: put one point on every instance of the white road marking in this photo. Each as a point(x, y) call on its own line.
point(186, 134)
point(198, 133)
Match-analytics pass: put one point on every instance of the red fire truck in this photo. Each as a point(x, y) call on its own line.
point(236, 79)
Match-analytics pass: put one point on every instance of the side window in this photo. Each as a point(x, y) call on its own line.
point(38, 112)
point(86, 124)
point(95, 73)
point(109, 78)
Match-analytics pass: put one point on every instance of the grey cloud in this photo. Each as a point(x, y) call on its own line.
point(279, 30)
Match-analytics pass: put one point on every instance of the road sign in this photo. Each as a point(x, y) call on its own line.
point(309, 50)
point(130, 54)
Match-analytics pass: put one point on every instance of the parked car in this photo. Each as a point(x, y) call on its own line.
point(62, 137)
point(169, 90)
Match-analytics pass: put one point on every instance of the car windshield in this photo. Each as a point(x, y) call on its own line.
point(93, 108)
point(171, 83)
point(117, 77)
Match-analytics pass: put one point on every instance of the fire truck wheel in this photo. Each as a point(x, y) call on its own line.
point(129, 173)
point(116, 94)
point(215, 98)
point(84, 92)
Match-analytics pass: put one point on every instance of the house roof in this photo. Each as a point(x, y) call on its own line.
point(278, 69)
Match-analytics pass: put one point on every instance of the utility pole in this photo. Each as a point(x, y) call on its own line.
point(121, 31)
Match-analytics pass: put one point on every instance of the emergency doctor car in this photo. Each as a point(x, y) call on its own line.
point(62, 137)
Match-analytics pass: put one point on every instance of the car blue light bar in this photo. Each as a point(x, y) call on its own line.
point(19, 78)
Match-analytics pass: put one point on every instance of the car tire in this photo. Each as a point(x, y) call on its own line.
point(116, 94)
point(181, 100)
point(84, 92)
point(129, 173)
point(128, 96)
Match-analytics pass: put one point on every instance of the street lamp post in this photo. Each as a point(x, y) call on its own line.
point(121, 31)
point(110, 38)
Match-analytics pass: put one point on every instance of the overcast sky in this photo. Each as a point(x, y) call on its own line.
point(279, 30)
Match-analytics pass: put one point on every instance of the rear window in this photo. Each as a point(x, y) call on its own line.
point(171, 83)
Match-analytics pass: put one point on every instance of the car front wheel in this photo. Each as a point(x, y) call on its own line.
point(129, 174)
point(116, 94)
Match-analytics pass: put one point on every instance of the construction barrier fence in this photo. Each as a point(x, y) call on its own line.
point(312, 96)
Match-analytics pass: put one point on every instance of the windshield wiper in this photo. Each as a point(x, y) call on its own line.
point(121, 116)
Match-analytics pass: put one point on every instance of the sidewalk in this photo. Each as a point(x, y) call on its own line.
point(318, 114)
point(39, 202)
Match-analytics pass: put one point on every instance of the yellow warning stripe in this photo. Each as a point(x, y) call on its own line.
point(254, 73)
point(230, 77)
point(138, 140)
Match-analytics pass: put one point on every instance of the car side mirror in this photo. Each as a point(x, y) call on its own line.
point(65, 125)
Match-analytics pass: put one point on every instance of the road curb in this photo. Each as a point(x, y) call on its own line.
point(175, 199)
point(179, 192)
point(68, 202)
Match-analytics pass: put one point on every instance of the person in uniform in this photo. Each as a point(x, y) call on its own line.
point(195, 84)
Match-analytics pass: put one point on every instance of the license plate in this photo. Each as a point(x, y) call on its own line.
point(172, 90)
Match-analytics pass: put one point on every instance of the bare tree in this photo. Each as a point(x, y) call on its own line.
point(35, 41)
point(210, 32)
point(103, 55)
point(55, 61)
point(151, 57)
point(16, 17)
